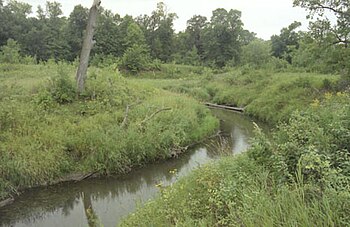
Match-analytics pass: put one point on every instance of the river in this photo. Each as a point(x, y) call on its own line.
point(113, 198)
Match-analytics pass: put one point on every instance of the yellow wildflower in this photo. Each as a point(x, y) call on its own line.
point(315, 103)
point(328, 95)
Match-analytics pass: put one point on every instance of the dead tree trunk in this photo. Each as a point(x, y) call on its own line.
point(87, 46)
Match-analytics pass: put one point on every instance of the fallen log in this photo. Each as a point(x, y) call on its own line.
point(237, 109)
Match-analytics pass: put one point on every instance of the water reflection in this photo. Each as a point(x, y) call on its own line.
point(107, 200)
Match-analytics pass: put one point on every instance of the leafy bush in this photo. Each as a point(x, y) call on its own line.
point(257, 53)
point(316, 141)
point(136, 59)
point(10, 52)
point(61, 87)
point(101, 60)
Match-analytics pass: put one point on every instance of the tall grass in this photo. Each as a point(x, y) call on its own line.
point(48, 132)
point(269, 96)
point(237, 192)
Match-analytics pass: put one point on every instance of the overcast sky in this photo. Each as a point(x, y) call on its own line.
point(264, 17)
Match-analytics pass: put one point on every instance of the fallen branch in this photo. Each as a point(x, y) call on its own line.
point(153, 115)
point(125, 121)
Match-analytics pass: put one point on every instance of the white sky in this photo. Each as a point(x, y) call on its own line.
point(264, 17)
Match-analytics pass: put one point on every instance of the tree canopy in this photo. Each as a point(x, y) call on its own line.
point(217, 41)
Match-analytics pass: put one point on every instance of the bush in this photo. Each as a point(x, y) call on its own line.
point(136, 59)
point(344, 82)
point(62, 87)
point(316, 141)
point(257, 53)
point(10, 52)
point(101, 60)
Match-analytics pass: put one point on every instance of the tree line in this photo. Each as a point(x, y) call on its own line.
point(135, 43)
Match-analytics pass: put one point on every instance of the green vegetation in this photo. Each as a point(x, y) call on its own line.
point(48, 133)
point(267, 95)
point(298, 81)
point(299, 176)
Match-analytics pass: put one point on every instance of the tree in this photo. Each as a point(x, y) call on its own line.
point(134, 36)
point(87, 45)
point(137, 55)
point(314, 55)
point(339, 8)
point(54, 25)
point(192, 57)
point(327, 46)
point(256, 53)
point(221, 38)
point(74, 32)
point(195, 28)
point(110, 32)
point(14, 21)
point(159, 32)
point(283, 44)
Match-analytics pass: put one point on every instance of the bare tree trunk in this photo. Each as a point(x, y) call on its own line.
point(87, 46)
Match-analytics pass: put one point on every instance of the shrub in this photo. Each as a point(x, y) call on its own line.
point(61, 86)
point(135, 59)
point(10, 52)
point(257, 53)
point(316, 141)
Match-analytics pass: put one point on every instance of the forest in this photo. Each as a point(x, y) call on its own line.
point(142, 43)
point(143, 103)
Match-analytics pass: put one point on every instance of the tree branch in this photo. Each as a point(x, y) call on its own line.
point(152, 115)
point(320, 6)
point(125, 121)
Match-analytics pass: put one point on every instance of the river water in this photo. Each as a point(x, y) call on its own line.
point(112, 198)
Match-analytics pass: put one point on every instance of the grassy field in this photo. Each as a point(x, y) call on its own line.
point(47, 132)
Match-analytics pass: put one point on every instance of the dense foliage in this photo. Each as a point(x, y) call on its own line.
point(133, 43)
point(51, 35)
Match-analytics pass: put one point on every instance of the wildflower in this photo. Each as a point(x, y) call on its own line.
point(315, 103)
point(328, 95)
point(340, 94)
